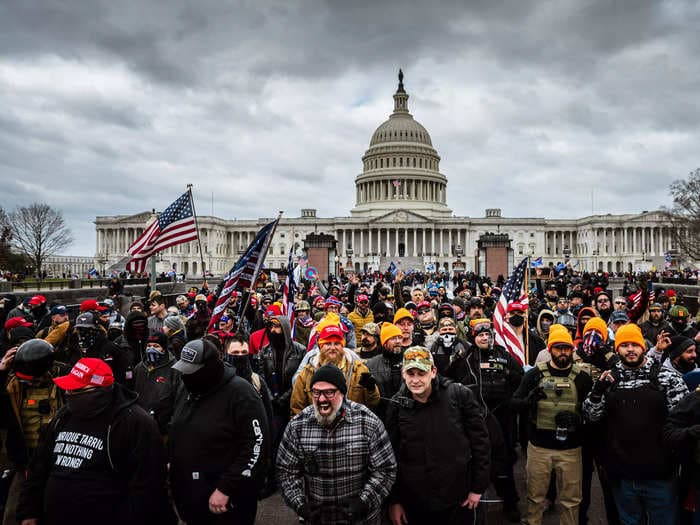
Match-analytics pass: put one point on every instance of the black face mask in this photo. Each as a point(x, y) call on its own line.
point(276, 340)
point(203, 379)
point(89, 403)
point(242, 364)
point(86, 338)
point(516, 320)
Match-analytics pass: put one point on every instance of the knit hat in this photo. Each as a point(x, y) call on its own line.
point(159, 338)
point(597, 324)
point(174, 323)
point(679, 344)
point(458, 301)
point(558, 334)
point(388, 331)
point(629, 333)
point(330, 374)
point(402, 313)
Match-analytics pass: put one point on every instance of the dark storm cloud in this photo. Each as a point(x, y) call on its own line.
point(271, 104)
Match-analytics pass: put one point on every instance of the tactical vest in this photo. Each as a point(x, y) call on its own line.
point(561, 395)
point(36, 412)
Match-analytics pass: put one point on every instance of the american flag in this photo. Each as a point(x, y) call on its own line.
point(173, 226)
point(244, 272)
point(396, 183)
point(503, 331)
point(289, 290)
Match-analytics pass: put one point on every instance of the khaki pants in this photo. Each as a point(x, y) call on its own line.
point(567, 466)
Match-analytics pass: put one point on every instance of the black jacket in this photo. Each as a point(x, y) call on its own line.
point(278, 373)
point(678, 435)
point(219, 440)
point(442, 446)
point(386, 370)
point(157, 387)
point(131, 487)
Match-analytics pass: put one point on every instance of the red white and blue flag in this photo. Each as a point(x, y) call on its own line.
point(244, 273)
point(503, 331)
point(175, 225)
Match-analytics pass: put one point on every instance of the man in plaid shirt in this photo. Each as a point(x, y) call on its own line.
point(335, 464)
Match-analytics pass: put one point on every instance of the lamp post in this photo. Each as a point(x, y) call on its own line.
point(337, 265)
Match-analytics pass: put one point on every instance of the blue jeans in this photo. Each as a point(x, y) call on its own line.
point(636, 499)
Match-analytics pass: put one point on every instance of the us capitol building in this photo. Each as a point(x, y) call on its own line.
point(401, 213)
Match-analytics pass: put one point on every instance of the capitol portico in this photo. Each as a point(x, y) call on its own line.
point(401, 212)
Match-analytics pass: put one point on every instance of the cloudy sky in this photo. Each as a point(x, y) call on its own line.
point(113, 107)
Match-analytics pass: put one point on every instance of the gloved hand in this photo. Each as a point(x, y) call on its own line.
point(535, 395)
point(694, 431)
point(355, 509)
point(601, 386)
point(592, 343)
point(309, 511)
point(567, 419)
point(367, 381)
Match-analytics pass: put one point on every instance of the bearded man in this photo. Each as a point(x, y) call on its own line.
point(335, 463)
point(362, 386)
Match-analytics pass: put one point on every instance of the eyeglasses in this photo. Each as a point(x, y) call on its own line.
point(412, 355)
point(481, 329)
point(423, 310)
point(603, 300)
point(620, 302)
point(328, 393)
point(363, 302)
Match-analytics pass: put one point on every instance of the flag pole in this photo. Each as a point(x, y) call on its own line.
point(199, 237)
point(263, 254)
point(527, 315)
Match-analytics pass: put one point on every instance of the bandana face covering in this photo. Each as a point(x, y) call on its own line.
point(87, 404)
point(447, 339)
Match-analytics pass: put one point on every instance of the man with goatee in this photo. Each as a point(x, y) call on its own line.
point(335, 463)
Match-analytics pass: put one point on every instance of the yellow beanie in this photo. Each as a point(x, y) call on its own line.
point(558, 334)
point(629, 333)
point(331, 318)
point(401, 313)
point(388, 331)
point(597, 324)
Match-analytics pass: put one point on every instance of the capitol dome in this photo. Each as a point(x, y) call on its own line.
point(401, 169)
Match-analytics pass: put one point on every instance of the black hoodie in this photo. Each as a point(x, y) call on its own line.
point(109, 469)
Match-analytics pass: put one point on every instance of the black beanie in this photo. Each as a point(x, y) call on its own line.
point(679, 344)
point(160, 338)
point(330, 374)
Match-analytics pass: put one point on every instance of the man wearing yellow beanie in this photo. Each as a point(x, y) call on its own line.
point(406, 323)
point(386, 367)
point(632, 400)
point(551, 394)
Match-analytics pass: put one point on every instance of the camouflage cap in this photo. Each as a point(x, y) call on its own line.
point(417, 357)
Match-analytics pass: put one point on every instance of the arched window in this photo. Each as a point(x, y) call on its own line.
point(414, 162)
point(394, 161)
point(400, 161)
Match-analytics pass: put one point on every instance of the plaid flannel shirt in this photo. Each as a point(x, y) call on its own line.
point(325, 465)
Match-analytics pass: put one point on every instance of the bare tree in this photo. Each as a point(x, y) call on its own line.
point(684, 215)
point(38, 231)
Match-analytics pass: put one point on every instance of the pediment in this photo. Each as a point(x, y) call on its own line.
point(398, 217)
point(142, 217)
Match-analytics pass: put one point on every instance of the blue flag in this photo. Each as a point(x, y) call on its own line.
point(536, 263)
point(393, 269)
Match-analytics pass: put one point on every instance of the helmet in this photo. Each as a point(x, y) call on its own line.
point(303, 305)
point(86, 320)
point(567, 320)
point(33, 359)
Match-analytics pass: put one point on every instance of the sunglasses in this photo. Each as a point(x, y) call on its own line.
point(423, 310)
point(620, 302)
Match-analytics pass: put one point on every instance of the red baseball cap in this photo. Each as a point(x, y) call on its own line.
point(516, 307)
point(331, 333)
point(37, 300)
point(89, 371)
point(91, 304)
point(15, 322)
point(423, 304)
point(362, 297)
point(273, 310)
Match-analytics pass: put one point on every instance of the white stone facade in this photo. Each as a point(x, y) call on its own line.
point(401, 213)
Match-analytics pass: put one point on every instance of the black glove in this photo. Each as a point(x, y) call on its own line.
point(535, 395)
point(601, 386)
point(694, 431)
point(567, 419)
point(309, 512)
point(355, 509)
point(367, 381)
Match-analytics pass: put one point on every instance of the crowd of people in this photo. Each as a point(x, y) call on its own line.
point(381, 399)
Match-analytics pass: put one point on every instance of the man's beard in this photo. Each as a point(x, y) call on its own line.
point(324, 359)
point(326, 421)
point(368, 342)
point(564, 361)
point(635, 363)
point(685, 366)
